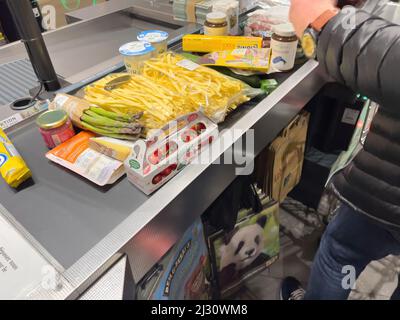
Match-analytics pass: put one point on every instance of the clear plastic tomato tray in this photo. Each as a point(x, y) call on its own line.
point(168, 150)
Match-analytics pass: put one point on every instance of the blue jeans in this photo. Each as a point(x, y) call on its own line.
point(350, 239)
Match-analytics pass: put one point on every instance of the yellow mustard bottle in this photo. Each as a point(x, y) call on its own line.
point(12, 167)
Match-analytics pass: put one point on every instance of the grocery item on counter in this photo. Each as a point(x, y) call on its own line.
point(13, 168)
point(167, 151)
point(216, 24)
point(204, 43)
point(192, 10)
point(269, 85)
point(76, 156)
point(184, 10)
point(251, 79)
point(196, 11)
point(114, 148)
point(157, 38)
point(55, 127)
point(249, 59)
point(284, 47)
point(203, 7)
point(231, 9)
point(260, 22)
point(135, 54)
point(119, 125)
point(171, 86)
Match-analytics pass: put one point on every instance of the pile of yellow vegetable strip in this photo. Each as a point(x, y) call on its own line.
point(166, 90)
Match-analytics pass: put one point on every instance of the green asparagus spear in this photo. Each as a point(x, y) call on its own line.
point(108, 133)
point(94, 119)
point(101, 130)
point(133, 131)
point(122, 136)
point(116, 116)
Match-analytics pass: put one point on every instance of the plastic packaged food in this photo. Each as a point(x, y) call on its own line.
point(12, 167)
point(260, 23)
point(55, 127)
point(135, 54)
point(76, 155)
point(114, 148)
point(252, 78)
point(216, 24)
point(167, 151)
point(204, 43)
point(89, 117)
point(269, 85)
point(157, 38)
point(171, 86)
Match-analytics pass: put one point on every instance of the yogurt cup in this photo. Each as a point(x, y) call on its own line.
point(158, 39)
point(135, 54)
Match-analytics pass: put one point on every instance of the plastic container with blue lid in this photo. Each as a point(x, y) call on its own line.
point(135, 54)
point(157, 38)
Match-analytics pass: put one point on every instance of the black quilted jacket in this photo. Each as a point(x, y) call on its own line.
point(366, 57)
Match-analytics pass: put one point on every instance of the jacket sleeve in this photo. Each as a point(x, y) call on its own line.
point(362, 51)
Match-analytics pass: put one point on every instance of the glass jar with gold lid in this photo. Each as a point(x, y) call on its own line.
point(55, 127)
point(216, 24)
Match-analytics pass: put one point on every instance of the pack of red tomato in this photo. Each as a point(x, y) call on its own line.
point(167, 151)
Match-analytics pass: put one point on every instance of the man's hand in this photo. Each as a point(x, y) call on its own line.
point(304, 12)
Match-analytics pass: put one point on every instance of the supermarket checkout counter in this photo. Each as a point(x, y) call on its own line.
point(90, 235)
point(89, 45)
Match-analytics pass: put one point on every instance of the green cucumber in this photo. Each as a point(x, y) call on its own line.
point(253, 81)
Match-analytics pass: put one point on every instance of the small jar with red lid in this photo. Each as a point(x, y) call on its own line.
point(55, 127)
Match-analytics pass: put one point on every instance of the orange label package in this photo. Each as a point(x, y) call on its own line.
point(76, 155)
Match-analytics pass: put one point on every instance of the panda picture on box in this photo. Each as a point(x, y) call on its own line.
point(243, 249)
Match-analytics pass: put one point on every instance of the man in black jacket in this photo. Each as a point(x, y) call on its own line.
point(362, 51)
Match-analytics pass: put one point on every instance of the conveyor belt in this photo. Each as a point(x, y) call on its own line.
point(16, 78)
point(85, 227)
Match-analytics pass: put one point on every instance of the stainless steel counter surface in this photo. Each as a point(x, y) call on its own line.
point(158, 9)
point(83, 227)
point(89, 46)
point(84, 48)
point(87, 228)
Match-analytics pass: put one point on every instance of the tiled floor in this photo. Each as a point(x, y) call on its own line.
point(295, 259)
point(299, 242)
